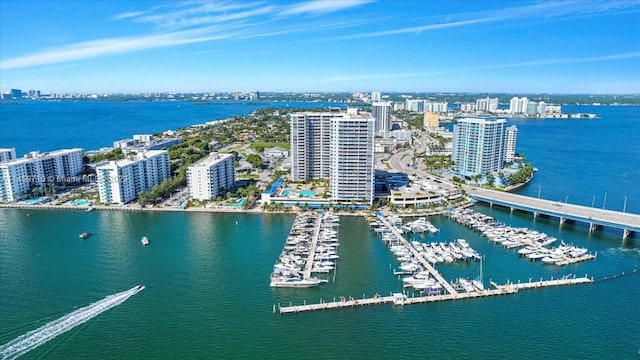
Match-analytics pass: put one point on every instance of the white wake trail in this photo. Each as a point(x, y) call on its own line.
point(37, 337)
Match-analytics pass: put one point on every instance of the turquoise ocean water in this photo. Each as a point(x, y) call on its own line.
point(207, 279)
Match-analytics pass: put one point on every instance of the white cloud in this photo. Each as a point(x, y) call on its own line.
point(95, 48)
point(565, 61)
point(322, 6)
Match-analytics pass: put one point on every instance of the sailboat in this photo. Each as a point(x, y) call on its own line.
point(477, 282)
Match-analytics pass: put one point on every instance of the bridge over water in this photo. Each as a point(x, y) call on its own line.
point(629, 223)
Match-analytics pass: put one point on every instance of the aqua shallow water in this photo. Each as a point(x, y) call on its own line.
point(207, 292)
point(207, 280)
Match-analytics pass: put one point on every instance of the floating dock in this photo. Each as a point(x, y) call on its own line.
point(506, 289)
point(436, 275)
point(568, 261)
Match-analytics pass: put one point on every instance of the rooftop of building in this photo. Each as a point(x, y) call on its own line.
point(212, 159)
point(131, 159)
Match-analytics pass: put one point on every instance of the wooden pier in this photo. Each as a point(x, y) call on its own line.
point(506, 289)
point(436, 275)
point(544, 283)
point(568, 261)
point(312, 252)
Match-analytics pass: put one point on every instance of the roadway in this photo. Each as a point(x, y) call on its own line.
point(616, 219)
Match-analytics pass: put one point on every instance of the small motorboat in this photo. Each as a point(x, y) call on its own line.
point(144, 240)
point(85, 235)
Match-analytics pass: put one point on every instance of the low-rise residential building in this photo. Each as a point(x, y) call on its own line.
point(276, 152)
point(119, 182)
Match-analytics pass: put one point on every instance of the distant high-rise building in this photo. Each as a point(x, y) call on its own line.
point(119, 182)
point(375, 96)
point(16, 94)
point(487, 104)
point(542, 108)
point(338, 146)
point(437, 107)
point(511, 135)
point(416, 105)
point(381, 111)
point(208, 177)
point(478, 146)
point(531, 109)
point(518, 105)
point(7, 155)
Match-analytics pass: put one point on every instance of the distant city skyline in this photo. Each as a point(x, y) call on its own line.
point(320, 46)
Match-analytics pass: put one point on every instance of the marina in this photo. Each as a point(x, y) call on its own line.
point(311, 247)
point(533, 243)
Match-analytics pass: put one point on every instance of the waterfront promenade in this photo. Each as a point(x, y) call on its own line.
point(595, 217)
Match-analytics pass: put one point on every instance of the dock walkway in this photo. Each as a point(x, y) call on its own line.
point(445, 284)
point(312, 251)
point(377, 300)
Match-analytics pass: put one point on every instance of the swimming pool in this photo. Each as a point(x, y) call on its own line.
point(307, 193)
point(80, 202)
point(34, 201)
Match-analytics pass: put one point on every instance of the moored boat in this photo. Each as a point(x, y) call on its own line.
point(293, 281)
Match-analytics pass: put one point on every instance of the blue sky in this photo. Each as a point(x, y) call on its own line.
point(335, 45)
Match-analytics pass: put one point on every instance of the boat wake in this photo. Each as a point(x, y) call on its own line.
point(630, 251)
point(31, 340)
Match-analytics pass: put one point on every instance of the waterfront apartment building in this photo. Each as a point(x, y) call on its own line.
point(478, 146)
point(7, 154)
point(518, 105)
point(338, 146)
point(352, 159)
point(376, 96)
point(381, 111)
point(19, 176)
point(119, 182)
point(487, 104)
point(511, 135)
point(207, 178)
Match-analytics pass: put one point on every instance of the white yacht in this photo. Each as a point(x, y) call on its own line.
point(293, 281)
point(552, 259)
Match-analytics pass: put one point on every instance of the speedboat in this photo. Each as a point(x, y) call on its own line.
point(144, 240)
point(85, 235)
